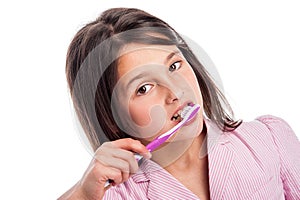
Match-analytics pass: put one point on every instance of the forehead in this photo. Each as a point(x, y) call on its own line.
point(136, 55)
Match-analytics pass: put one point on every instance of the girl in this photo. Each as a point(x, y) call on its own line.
point(130, 75)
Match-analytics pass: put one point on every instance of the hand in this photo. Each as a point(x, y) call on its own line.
point(112, 160)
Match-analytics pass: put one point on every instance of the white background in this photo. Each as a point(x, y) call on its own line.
point(254, 44)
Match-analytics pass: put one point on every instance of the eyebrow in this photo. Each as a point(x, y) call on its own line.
point(140, 76)
point(171, 55)
point(136, 78)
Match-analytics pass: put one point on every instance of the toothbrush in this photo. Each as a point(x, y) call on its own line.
point(187, 114)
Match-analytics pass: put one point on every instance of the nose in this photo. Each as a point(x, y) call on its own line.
point(174, 96)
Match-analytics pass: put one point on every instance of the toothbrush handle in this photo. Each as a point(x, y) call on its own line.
point(156, 143)
point(161, 139)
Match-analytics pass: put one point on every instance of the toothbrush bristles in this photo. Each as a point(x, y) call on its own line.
point(185, 111)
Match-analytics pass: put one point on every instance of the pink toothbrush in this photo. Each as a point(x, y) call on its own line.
point(188, 113)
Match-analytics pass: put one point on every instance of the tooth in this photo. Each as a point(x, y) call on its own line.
point(173, 118)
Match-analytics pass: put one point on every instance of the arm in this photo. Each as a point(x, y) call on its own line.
point(72, 193)
point(288, 147)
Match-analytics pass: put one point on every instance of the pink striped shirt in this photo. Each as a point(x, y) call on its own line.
point(259, 160)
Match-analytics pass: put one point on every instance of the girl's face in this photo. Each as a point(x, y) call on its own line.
point(157, 82)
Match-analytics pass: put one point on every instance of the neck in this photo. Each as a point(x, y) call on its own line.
point(191, 157)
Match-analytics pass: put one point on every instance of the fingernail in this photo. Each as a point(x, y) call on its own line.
point(148, 155)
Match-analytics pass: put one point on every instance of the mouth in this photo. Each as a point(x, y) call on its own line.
point(177, 117)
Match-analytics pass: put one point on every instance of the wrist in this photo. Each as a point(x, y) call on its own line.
point(75, 193)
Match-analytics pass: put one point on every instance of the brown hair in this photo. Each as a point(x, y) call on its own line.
point(103, 38)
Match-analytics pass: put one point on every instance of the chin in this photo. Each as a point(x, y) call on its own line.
point(191, 131)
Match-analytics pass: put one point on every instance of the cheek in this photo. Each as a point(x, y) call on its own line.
point(193, 83)
point(196, 89)
point(139, 113)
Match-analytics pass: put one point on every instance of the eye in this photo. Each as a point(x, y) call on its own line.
point(144, 89)
point(175, 66)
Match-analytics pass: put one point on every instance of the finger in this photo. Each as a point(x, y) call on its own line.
point(125, 176)
point(113, 162)
point(132, 145)
point(108, 151)
point(108, 155)
point(110, 174)
point(127, 156)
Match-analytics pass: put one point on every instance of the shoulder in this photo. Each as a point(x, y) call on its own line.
point(269, 132)
point(275, 124)
point(280, 130)
point(270, 120)
point(265, 124)
point(283, 136)
point(265, 134)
